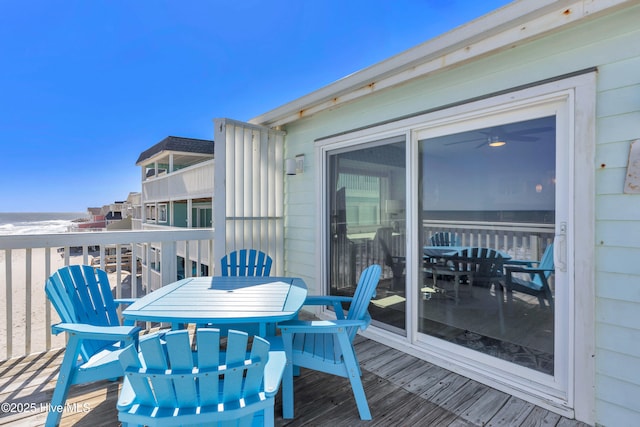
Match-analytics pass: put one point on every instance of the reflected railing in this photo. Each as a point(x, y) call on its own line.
point(523, 241)
point(26, 261)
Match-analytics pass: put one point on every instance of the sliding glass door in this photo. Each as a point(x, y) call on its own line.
point(367, 222)
point(487, 213)
point(471, 211)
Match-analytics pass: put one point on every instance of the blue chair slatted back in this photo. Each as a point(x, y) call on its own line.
point(82, 294)
point(246, 262)
point(365, 291)
point(444, 238)
point(166, 374)
point(486, 264)
point(547, 264)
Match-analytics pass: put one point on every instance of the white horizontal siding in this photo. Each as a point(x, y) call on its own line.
point(618, 233)
point(616, 415)
point(619, 313)
point(618, 367)
point(612, 155)
point(619, 339)
point(610, 179)
point(617, 228)
point(302, 215)
point(623, 394)
point(621, 100)
point(612, 259)
point(619, 207)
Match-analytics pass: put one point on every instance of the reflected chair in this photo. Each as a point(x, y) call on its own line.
point(82, 297)
point(475, 266)
point(382, 240)
point(327, 345)
point(537, 276)
point(445, 238)
point(167, 383)
point(246, 262)
point(431, 263)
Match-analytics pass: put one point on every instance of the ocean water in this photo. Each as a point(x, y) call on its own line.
point(37, 222)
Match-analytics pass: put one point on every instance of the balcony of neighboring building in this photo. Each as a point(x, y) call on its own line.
point(194, 181)
point(177, 168)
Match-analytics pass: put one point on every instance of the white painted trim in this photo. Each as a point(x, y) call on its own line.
point(505, 28)
point(584, 249)
point(219, 214)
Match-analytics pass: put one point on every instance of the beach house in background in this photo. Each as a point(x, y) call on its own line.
point(513, 132)
point(114, 216)
point(177, 192)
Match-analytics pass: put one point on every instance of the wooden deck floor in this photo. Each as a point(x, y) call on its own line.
point(402, 391)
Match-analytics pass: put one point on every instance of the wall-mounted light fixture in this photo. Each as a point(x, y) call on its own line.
point(294, 166)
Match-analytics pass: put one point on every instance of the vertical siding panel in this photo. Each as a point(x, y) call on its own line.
point(238, 188)
point(253, 190)
point(278, 171)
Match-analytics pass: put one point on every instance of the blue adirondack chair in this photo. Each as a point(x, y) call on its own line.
point(537, 283)
point(246, 262)
point(327, 346)
point(168, 384)
point(82, 297)
point(445, 238)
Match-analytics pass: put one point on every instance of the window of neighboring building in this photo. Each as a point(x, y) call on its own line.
point(162, 212)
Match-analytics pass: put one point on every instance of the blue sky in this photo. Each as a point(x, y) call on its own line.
point(87, 85)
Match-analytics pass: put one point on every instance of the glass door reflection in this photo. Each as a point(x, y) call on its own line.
point(487, 202)
point(367, 197)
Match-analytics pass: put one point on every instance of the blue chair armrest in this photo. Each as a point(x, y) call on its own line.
point(320, 326)
point(127, 395)
point(273, 371)
point(325, 300)
point(524, 262)
point(534, 270)
point(334, 301)
point(103, 333)
point(127, 301)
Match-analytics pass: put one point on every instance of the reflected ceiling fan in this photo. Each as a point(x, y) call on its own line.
point(499, 136)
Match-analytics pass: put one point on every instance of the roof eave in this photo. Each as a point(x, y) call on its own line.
point(505, 28)
point(164, 153)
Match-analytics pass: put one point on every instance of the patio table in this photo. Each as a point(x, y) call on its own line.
point(450, 251)
point(222, 300)
point(438, 262)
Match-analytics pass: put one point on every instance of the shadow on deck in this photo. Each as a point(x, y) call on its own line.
point(402, 390)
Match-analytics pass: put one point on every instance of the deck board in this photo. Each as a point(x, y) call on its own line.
point(401, 389)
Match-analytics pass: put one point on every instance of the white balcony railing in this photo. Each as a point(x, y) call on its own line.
point(131, 259)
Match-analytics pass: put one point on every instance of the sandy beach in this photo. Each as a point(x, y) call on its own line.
point(39, 302)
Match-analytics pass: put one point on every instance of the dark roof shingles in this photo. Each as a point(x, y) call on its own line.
point(176, 143)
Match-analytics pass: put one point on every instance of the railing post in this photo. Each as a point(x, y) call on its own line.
point(47, 309)
point(9, 298)
point(27, 285)
point(168, 261)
